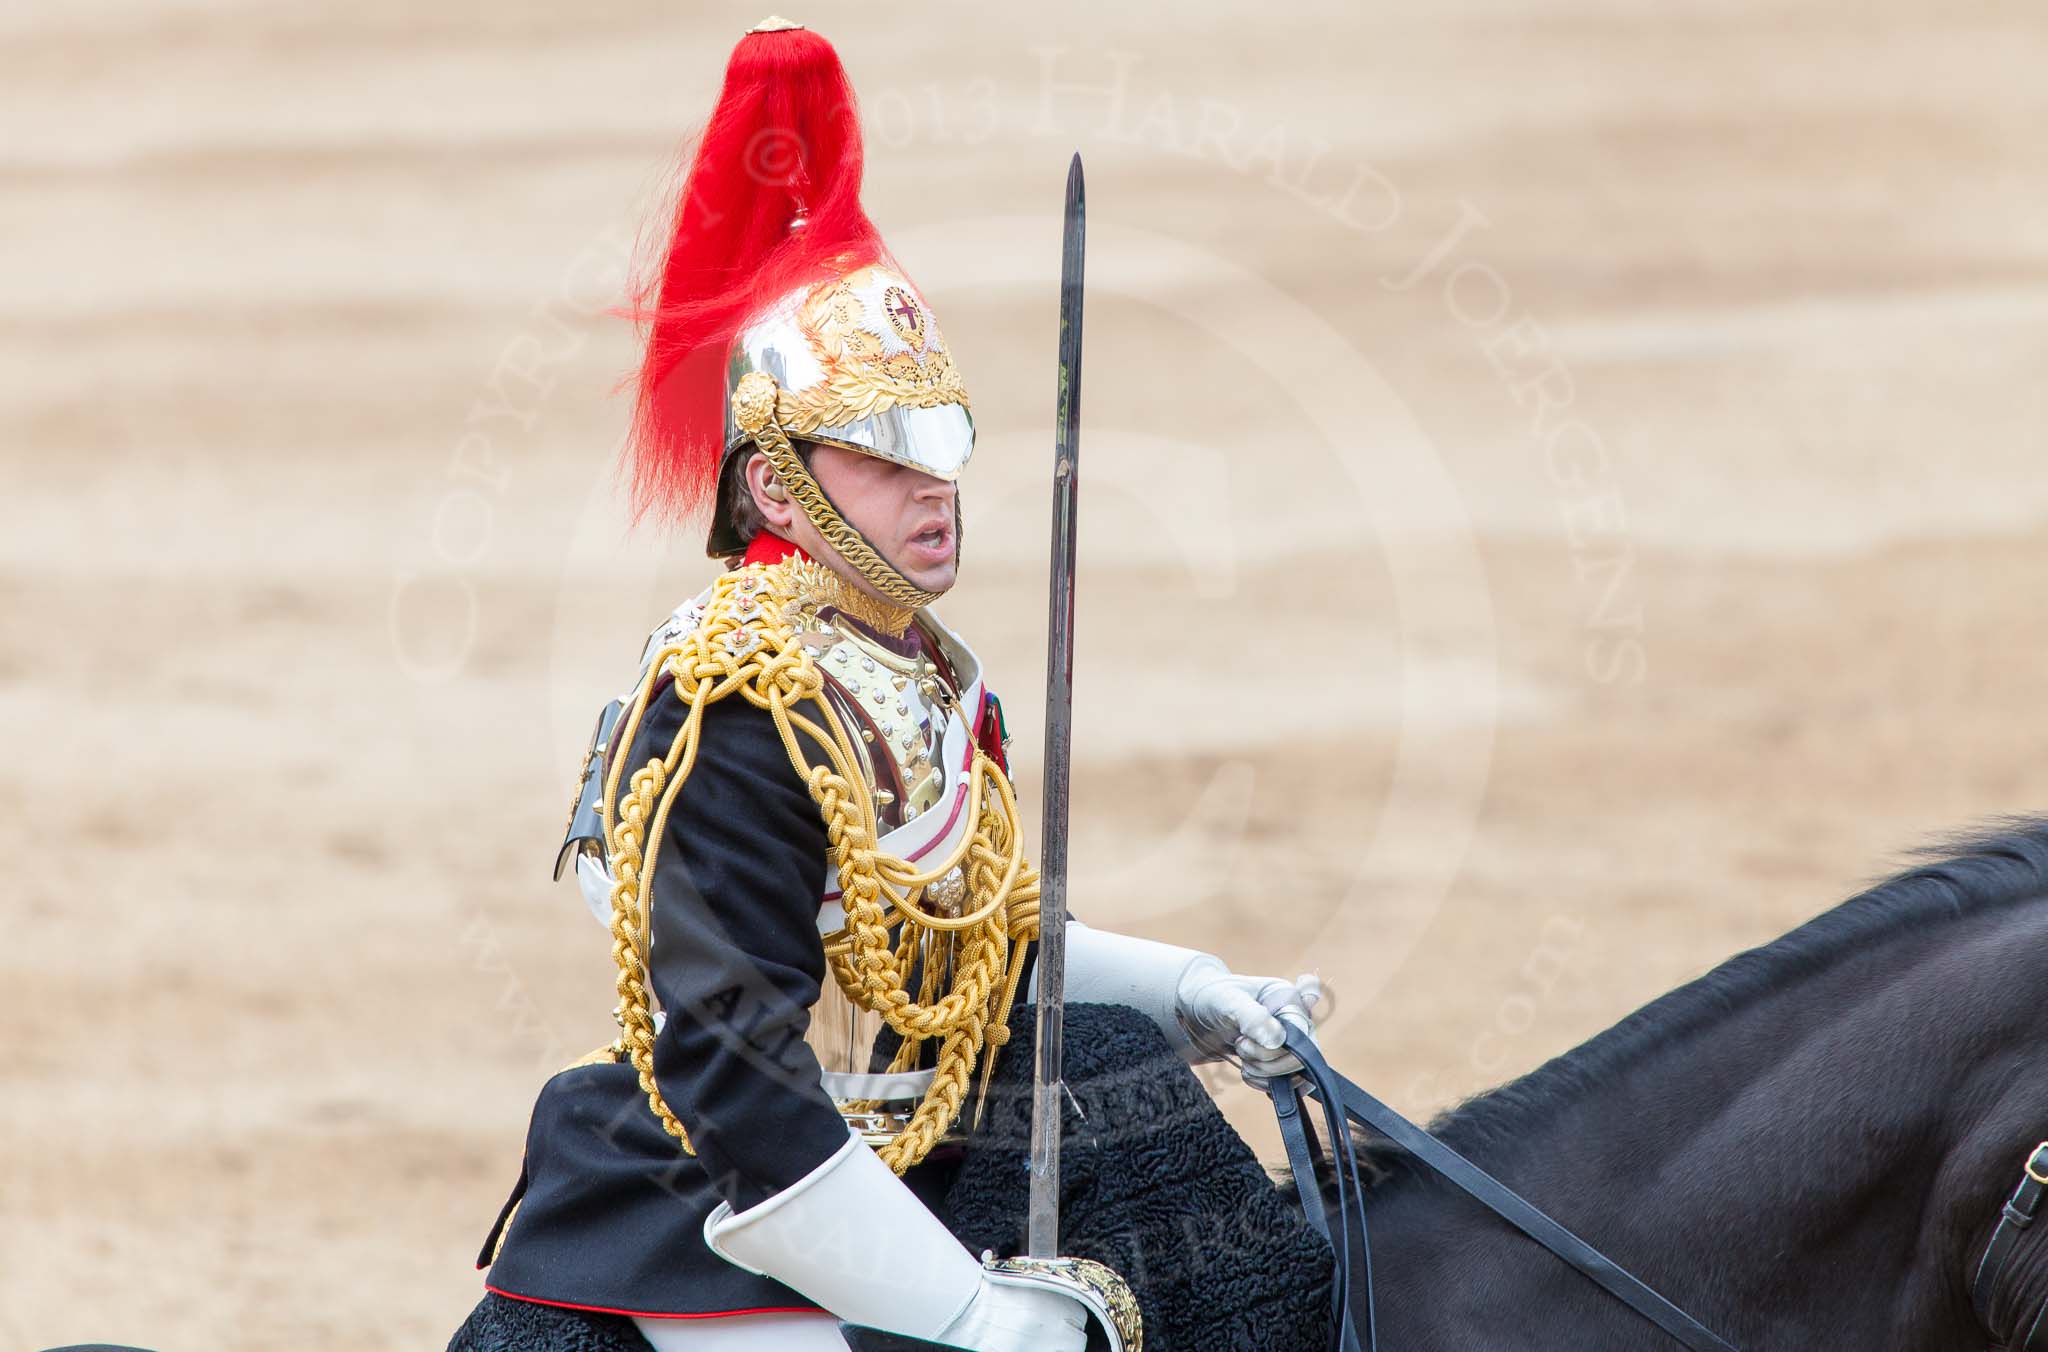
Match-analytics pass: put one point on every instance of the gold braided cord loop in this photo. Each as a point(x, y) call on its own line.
point(965, 967)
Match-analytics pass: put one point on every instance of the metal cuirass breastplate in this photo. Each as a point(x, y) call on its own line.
point(909, 703)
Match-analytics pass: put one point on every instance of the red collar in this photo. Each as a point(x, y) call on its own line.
point(768, 548)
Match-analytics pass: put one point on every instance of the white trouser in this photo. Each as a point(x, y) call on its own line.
point(802, 1331)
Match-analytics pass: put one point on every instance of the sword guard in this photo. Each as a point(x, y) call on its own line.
point(1118, 1324)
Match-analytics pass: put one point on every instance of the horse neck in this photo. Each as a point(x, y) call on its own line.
point(1813, 1167)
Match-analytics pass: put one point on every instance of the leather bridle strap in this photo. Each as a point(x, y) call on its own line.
point(1332, 1089)
point(2013, 1222)
point(1354, 1261)
point(1299, 1138)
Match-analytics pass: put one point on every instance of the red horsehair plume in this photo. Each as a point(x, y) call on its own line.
point(783, 142)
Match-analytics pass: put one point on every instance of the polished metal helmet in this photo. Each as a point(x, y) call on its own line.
point(855, 361)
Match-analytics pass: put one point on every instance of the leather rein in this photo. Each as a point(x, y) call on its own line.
point(2014, 1219)
point(1351, 1295)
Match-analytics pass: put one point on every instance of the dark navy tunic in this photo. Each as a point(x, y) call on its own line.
point(609, 1209)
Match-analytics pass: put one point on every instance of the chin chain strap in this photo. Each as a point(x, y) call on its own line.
point(753, 403)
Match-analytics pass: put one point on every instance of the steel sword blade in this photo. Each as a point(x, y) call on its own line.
point(1042, 1237)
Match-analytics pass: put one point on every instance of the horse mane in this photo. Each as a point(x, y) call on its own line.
point(1996, 865)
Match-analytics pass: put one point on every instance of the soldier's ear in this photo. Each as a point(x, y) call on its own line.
point(771, 499)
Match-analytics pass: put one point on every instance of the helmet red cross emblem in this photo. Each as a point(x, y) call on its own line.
point(904, 315)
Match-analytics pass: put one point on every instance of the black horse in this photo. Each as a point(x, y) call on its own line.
point(1808, 1148)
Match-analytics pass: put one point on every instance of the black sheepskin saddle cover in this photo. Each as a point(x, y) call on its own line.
point(501, 1325)
point(1154, 1182)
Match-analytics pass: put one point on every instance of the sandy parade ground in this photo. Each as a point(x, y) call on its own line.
point(1563, 503)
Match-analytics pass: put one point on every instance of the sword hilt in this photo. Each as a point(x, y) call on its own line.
point(1115, 1323)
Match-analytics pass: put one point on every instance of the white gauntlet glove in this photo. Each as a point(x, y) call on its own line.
point(1205, 1009)
point(850, 1236)
point(1226, 1013)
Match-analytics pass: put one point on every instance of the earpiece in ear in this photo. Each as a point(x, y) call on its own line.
point(774, 491)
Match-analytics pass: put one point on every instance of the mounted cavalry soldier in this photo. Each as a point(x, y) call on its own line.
point(799, 828)
point(844, 992)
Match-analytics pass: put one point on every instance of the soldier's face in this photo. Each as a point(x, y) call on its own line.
point(904, 513)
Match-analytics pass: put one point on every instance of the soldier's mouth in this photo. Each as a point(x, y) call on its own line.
point(934, 545)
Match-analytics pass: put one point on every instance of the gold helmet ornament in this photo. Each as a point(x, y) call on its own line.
point(778, 316)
